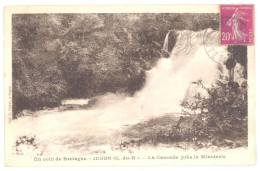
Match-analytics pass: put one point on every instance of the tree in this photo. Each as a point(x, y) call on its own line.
point(36, 83)
point(239, 54)
point(84, 55)
point(220, 116)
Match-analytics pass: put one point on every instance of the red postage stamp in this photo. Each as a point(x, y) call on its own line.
point(236, 22)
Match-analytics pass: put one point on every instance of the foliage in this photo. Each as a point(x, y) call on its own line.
point(23, 144)
point(215, 117)
point(57, 56)
point(36, 82)
point(221, 115)
point(239, 54)
point(216, 121)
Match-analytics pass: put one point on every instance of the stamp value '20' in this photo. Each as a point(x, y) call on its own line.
point(237, 24)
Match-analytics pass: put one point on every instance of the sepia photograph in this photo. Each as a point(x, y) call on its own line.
point(130, 87)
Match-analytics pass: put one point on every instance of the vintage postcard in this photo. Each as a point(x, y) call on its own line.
point(134, 85)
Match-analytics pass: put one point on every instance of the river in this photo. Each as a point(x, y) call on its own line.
point(76, 127)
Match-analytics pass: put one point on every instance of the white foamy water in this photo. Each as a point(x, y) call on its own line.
point(165, 87)
point(75, 102)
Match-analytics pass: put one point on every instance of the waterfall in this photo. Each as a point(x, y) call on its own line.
point(165, 43)
point(167, 84)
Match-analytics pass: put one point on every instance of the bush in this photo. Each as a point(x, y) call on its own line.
point(221, 116)
point(57, 56)
point(37, 82)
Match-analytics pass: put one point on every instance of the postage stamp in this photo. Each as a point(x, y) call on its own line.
point(237, 27)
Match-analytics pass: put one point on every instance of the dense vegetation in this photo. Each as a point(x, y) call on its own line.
point(57, 56)
point(219, 119)
point(214, 122)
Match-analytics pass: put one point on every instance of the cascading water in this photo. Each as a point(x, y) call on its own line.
point(166, 42)
point(166, 86)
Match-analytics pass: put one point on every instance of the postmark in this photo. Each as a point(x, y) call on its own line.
point(216, 54)
point(236, 22)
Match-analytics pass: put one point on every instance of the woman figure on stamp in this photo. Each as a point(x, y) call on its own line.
point(234, 21)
